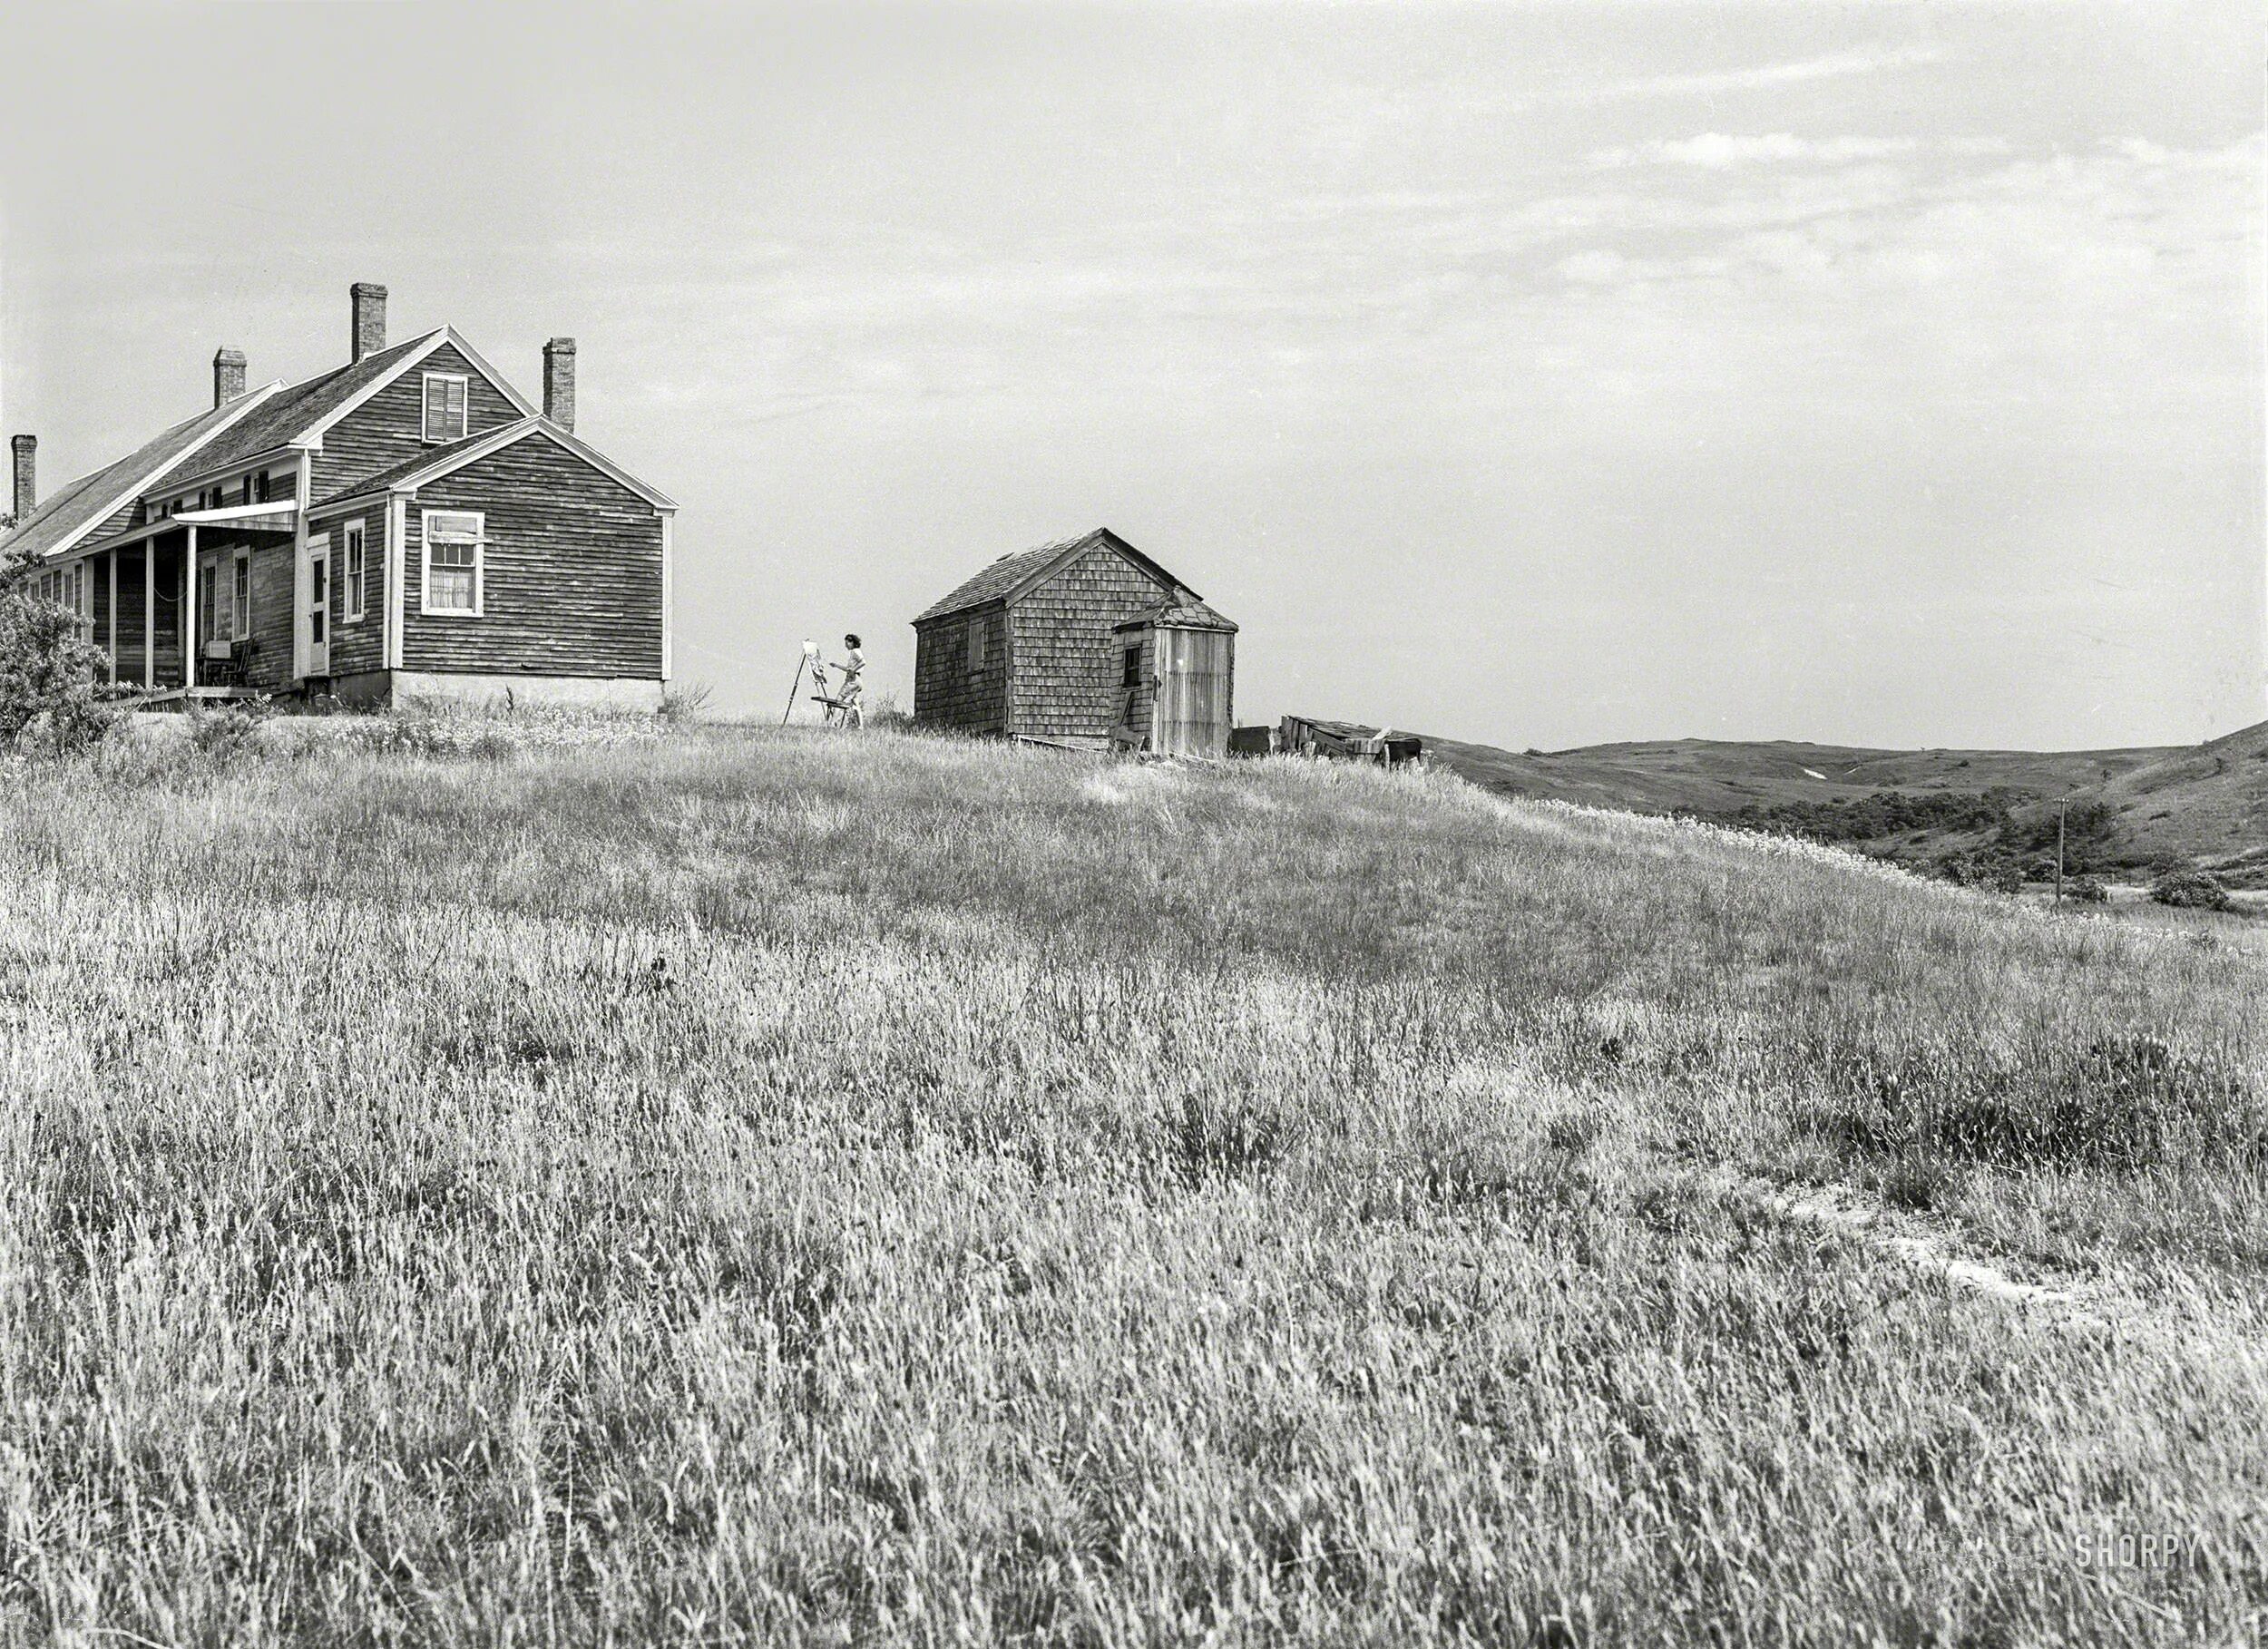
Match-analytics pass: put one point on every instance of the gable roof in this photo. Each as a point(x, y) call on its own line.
point(1011, 575)
point(412, 473)
point(85, 503)
point(303, 412)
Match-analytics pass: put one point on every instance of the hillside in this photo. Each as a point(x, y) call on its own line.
point(1716, 779)
point(2205, 805)
point(467, 1187)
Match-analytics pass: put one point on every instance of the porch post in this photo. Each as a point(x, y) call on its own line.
point(149, 614)
point(114, 646)
point(190, 638)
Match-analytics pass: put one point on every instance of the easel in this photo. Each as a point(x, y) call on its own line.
point(838, 712)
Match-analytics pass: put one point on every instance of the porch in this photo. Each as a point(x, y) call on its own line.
point(173, 604)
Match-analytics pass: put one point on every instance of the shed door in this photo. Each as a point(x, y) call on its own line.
point(1193, 669)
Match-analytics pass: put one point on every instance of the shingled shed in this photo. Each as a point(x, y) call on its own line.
point(1085, 642)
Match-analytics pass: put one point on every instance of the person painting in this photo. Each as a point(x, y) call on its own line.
point(846, 696)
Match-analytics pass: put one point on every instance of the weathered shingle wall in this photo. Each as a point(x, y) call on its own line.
point(947, 693)
point(1067, 674)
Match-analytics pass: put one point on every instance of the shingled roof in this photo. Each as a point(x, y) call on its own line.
point(293, 411)
point(1191, 614)
point(1011, 575)
point(86, 502)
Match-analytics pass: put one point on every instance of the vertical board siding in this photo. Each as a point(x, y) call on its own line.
point(946, 692)
point(1193, 691)
point(571, 571)
point(1066, 683)
point(386, 428)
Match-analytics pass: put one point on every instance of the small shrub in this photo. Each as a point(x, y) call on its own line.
point(2191, 889)
point(1993, 872)
point(50, 702)
point(682, 706)
point(222, 736)
point(2086, 890)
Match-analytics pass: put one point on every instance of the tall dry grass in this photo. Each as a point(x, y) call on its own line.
point(750, 1188)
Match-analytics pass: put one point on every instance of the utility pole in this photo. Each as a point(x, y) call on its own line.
point(2061, 807)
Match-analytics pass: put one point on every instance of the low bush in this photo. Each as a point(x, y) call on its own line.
point(50, 699)
point(683, 706)
point(2191, 889)
point(2086, 890)
point(1990, 871)
point(223, 735)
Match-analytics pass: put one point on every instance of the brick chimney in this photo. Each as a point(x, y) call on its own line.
point(369, 299)
point(559, 382)
point(26, 450)
point(228, 376)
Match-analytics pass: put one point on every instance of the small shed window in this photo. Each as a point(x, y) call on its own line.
point(976, 645)
point(1133, 665)
point(452, 561)
point(445, 405)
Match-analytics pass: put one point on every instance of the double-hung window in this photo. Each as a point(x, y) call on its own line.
point(452, 561)
point(354, 572)
point(240, 582)
point(445, 405)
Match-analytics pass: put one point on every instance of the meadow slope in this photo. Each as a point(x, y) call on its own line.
point(746, 1187)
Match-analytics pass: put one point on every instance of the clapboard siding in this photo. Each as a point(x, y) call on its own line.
point(947, 691)
point(268, 661)
point(572, 570)
point(388, 427)
point(359, 645)
point(172, 551)
point(1066, 680)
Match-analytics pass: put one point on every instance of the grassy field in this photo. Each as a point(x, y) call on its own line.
point(740, 1187)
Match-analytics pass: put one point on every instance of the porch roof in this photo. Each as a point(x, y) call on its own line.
point(278, 517)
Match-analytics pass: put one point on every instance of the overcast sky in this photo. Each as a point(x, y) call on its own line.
point(1531, 373)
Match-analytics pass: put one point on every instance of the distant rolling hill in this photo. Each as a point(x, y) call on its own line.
point(2205, 805)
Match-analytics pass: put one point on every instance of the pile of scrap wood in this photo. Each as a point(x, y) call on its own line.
point(1346, 741)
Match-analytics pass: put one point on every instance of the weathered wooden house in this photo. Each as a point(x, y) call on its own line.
point(1086, 642)
point(408, 524)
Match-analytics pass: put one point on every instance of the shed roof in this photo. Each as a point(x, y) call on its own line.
point(1011, 575)
point(1191, 614)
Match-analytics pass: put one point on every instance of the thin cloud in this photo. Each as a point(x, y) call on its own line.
point(1718, 151)
point(1836, 65)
